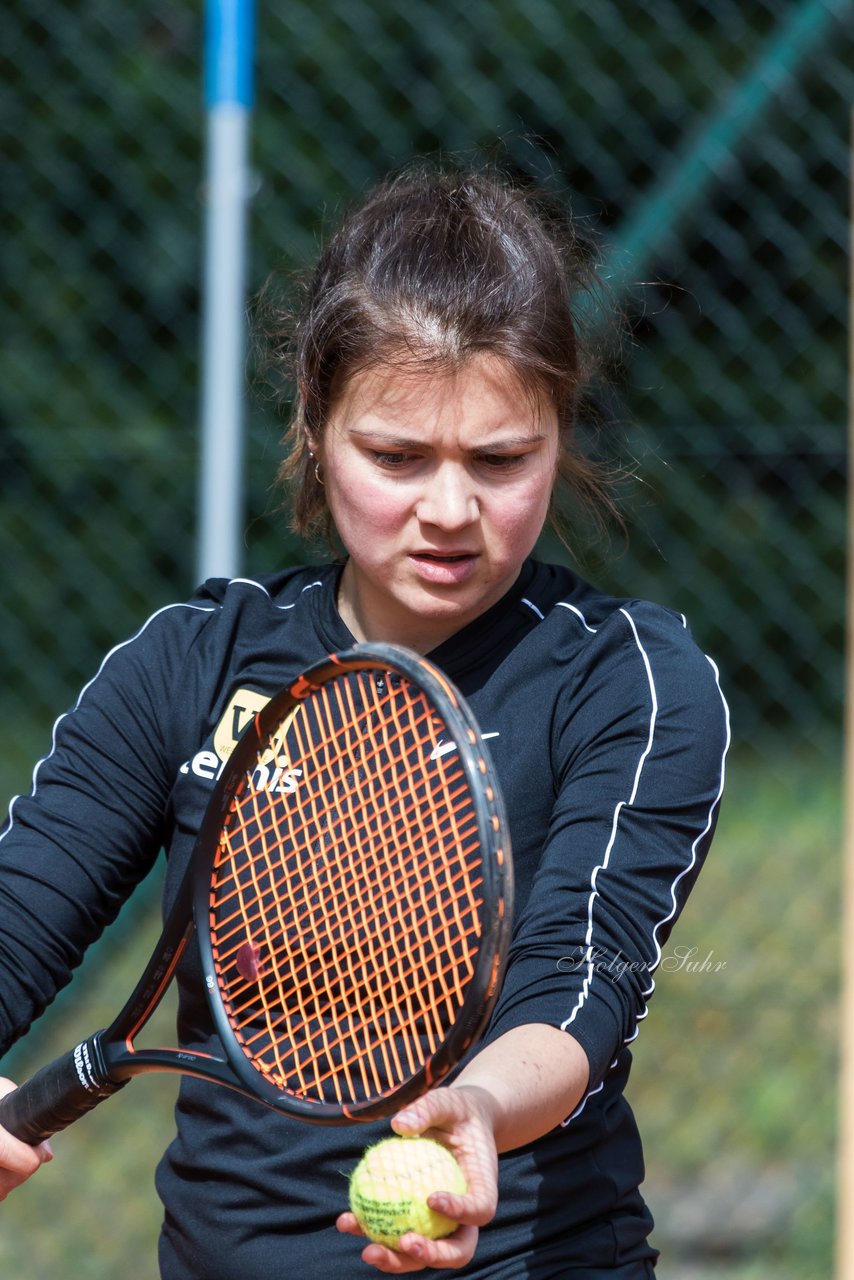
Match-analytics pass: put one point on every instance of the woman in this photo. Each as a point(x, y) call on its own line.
point(438, 368)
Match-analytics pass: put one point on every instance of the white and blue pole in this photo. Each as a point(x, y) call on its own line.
point(229, 54)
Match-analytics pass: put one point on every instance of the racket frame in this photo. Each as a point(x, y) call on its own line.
point(461, 731)
point(102, 1064)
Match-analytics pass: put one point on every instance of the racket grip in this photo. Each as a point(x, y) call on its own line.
point(58, 1094)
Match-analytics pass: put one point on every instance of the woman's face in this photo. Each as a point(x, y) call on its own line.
point(439, 485)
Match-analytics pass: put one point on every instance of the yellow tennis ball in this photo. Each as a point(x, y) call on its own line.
point(390, 1185)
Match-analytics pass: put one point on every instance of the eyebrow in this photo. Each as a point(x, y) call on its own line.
point(391, 439)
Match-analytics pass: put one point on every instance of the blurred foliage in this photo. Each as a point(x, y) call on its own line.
point(740, 1124)
point(93, 1213)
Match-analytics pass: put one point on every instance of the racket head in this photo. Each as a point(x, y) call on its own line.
point(354, 889)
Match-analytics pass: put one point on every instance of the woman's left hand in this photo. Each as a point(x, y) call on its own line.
point(462, 1119)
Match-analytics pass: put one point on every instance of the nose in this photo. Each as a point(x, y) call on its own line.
point(448, 499)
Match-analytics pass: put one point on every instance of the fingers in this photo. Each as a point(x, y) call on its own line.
point(416, 1252)
point(461, 1119)
point(18, 1160)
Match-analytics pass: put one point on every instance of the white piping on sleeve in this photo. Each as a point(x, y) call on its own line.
point(249, 582)
point(115, 649)
point(695, 846)
point(583, 995)
point(615, 819)
point(654, 712)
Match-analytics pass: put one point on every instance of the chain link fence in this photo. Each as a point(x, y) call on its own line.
point(709, 141)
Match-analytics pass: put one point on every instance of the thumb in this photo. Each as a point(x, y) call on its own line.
point(435, 1109)
point(446, 1108)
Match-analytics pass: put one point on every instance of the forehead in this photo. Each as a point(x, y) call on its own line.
point(483, 393)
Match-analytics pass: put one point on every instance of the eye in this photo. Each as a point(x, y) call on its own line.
point(391, 461)
point(501, 462)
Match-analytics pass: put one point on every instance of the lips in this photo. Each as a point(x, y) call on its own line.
point(443, 555)
point(444, 567)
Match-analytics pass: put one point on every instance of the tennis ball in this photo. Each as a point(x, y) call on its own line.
point(390, 1185)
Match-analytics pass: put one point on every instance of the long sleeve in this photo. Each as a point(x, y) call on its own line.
point(72, 851)
point(638, 743)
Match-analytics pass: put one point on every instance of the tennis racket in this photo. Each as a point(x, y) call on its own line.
point(350, 893)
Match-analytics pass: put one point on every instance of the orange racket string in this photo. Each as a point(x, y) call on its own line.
point(248, 910)
point(371, 1013)
point(371, 1010)
point(270, 940)
point(301, 892)
point(379, 796)
point(241, 916)
point(412, 957)
point(388, 744)
point(306, 893)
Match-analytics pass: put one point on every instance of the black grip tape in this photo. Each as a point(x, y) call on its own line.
point(58, 1094)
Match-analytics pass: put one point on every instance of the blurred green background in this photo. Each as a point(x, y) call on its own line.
point(709, 141)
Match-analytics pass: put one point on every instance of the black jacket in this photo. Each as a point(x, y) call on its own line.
point(608, 731)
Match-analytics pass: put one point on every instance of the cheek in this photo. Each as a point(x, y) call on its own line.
point(365, 507)
point(521, 516)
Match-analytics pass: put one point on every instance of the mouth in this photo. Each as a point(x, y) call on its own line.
point(445, 568)
point(444, 557)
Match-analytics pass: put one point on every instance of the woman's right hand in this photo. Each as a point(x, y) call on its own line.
point(18, 1160)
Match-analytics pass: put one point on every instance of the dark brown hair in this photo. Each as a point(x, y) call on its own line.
point(431, 268)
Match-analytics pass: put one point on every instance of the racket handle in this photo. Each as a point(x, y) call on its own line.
point(58, 1094)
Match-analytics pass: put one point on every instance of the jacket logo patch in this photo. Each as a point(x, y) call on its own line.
point(244, 704)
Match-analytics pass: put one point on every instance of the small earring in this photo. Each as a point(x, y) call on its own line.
point(318, 477)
